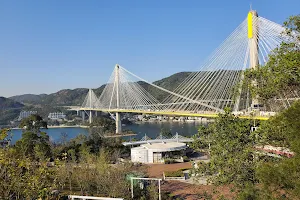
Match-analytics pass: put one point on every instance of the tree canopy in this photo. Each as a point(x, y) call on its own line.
point(231, 150)
point(280, 178)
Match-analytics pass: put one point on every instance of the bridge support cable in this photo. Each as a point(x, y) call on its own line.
point(90, 102)
point(217, 76)
point(175, 94)
point(221, 75)
point(126, 93)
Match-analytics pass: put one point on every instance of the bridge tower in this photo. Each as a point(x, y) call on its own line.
point(253, 45)
point(118, 116)
point(91, 114)
point(253, 56)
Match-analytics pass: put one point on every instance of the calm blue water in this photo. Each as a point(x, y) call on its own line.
point(54, 133)
point(151, 129)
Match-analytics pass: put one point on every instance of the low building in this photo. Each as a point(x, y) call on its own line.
point(56, 116)
point(25, 114)
point(157, 152)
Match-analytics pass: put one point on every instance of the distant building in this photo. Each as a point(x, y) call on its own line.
point(56, 115)
point(25, 114)
point(139, 117)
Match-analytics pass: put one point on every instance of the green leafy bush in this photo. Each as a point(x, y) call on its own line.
point(178, 173)
point(169, 161)
point(186, 159)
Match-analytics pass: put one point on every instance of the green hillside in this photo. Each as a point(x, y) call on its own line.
point(9, 110)
point(6, 103)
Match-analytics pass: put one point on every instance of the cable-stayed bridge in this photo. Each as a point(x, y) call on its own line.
point(204, 93)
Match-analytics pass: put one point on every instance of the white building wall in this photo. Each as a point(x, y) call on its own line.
point(150, 156)
point(139, 155)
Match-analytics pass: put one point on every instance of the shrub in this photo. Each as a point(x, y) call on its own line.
point(169, 161)
point(183, 169)
point(178, 173)
point(186, 159)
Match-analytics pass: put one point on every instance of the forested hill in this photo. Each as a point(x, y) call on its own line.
point(9, 109)
point(76, 96)
point(6, 103)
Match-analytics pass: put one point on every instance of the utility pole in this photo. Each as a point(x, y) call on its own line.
point(118, 117)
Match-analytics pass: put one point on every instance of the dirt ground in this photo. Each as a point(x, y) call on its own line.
point(186, 190)
point(156, 170)
point(196, 192)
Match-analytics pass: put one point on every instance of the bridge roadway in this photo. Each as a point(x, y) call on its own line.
point(167, 113)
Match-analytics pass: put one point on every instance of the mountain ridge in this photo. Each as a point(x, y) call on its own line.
point(75, 97)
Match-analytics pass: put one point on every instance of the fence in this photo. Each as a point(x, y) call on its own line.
point(73, 197)
point(175, 178)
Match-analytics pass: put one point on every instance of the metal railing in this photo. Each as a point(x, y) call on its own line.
point(74, 197)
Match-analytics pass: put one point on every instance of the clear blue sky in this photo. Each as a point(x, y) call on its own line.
point(46, 46)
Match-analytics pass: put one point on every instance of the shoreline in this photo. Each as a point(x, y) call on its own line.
point(136, 122)
point(74, 126)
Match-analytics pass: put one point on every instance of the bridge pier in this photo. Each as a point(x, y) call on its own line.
point(118, 124)
point(83, 116)
point(91, 117)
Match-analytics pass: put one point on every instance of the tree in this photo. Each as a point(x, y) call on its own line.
point(281, 177)
point(232, 158)
point(33, 123)
point(20, 178)
point(202, 140)
point(34, 143)
point(63, 137)
point(5, 137)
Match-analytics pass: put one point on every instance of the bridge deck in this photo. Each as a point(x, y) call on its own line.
point(170, 113)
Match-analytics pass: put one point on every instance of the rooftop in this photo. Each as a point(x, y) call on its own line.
point(164, 146)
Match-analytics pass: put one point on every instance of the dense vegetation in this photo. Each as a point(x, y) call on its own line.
point(35, 168)
point(6, 103)
point(9, 109)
